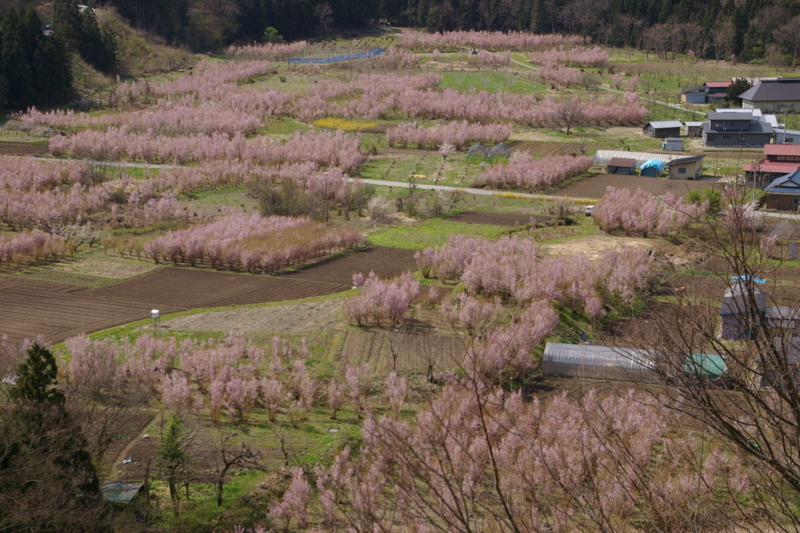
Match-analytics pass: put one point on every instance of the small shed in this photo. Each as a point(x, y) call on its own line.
point(621, 165)
point(739, 318)
point(710, 366)
point(662, 129)
point(598, 362)
point(653, 168)
point(686, 168)
point(672, 144)
point(694, 129)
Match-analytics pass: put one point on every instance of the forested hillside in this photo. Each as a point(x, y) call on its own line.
point(751, 29)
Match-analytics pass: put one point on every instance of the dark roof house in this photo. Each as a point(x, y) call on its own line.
point(708, 93)
point(779, 95)
point(735, 129)
point(784, 192)
point(120, 492)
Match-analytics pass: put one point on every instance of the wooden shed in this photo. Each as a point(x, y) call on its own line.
point(686, 168)
point(621, 165)
point(662, 129)
point(694, 129)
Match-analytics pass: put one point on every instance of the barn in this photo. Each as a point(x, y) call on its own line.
point(662, 129)
point(686, 168)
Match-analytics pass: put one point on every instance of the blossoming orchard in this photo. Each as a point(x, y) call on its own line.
point(391, 283)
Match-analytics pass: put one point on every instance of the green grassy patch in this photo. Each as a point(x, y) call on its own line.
point(491, 82)
point(432, 232)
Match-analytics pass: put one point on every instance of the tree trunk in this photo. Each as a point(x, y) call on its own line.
point(220, 486)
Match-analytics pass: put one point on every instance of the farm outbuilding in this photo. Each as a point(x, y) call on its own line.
point(653, 168)
point(672, 144)
point(662, 129)
point(694, 129)
point(598, 362)
point(686, 168)
point(783, 193)
point(621, 165)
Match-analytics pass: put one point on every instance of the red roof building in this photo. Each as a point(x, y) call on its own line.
point(780, 159)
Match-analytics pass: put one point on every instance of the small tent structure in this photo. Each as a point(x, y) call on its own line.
point(652, 168)
point(598, 362)
point(478, 151)
point(500, 150)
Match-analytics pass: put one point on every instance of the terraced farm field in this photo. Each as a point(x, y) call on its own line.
point(56, 311)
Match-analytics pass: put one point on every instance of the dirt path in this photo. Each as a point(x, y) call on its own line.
point(124, 454)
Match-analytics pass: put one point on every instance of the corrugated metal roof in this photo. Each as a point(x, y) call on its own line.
point(718, 84)
point(725, 115)
point(660, 124)
point(693, 124)
point(120, 492)
point(684, 160)
point(603, 157)
point(592, 355)
point(772, 167)
point(782, 149)
point(621, 162)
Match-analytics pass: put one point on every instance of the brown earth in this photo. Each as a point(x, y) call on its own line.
point(375, 348)
point(595, 185)
point(9, 148)
point(546, 149)
point(33, 308)
point(497, 219)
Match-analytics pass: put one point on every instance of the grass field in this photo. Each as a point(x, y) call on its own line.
point(431, 232)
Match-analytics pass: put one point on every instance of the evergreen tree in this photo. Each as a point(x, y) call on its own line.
point(51, 72)
point(17, 71)
point(48, 482)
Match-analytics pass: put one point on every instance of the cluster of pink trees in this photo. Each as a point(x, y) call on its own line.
point(168, 117)
point(380, 302)
point(27, 173)
point(28, 208)
point(367, 96)
point(577, 463)
point(512, 267)
point(495, 40)
point(324, 148)
point(487, 108)
point(225, 377)
point(645, 214)
point(575, 57)
point(560, 75)
point(251, 242)
point(395, 59)
point(525, 173)
point(494, 60)
point(459, 134)
point(267, 50)
point(212, 73)
point(31, 246)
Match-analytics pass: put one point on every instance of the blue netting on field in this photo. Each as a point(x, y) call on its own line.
point(334, 59)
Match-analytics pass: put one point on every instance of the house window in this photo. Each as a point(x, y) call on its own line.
point(716, 125)
point(681, 171)
point(797, 201)
point(726, 136)
point(774, 200)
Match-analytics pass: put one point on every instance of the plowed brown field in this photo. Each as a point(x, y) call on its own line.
point(595, 186)
point(56, 312)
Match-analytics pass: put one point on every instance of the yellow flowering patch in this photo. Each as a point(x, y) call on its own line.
point(344, 124)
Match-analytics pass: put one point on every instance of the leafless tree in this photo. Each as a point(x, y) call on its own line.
point(228, 456)
point(324, 14)
point(752, 399)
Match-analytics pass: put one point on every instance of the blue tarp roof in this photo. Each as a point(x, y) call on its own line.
point(746, 277)
point(653, 163)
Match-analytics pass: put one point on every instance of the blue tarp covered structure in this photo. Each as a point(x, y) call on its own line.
point(652, 168)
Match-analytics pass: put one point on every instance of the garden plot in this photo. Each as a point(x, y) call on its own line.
point(374, 349)
point(290, 319)
point(595, 186)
